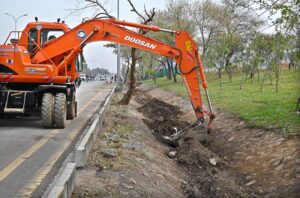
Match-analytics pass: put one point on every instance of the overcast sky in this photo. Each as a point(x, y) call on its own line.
point(50, 10)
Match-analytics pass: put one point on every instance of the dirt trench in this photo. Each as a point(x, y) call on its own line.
point(208, 174)
point(251, 162)
point(131, 159)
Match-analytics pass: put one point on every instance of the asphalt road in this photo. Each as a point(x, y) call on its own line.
point(26, 148)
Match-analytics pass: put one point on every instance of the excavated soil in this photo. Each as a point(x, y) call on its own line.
point(254, 162)
point(131, 158)
point(208, 174)
point(162, 117)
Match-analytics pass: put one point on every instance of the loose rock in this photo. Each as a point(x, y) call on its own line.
point(172, 154)
point(110, 153)
point(251, 183)
point(213, 161)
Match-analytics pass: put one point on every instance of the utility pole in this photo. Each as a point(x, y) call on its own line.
point(16, 21)
point(118, 47)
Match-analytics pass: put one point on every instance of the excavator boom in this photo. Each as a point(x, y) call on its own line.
point(55, 58)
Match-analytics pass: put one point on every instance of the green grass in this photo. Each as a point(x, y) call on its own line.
point(267, 109)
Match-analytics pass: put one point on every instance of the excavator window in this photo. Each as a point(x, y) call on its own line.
point(49, 34)
point(32, 39)
point(79, 62)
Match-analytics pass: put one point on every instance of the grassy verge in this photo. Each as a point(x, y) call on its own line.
point(267, 109)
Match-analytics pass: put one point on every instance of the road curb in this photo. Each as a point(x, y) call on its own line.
point(84, 148)
point(65, 184)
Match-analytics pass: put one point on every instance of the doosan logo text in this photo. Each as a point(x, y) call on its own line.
point(140, 42)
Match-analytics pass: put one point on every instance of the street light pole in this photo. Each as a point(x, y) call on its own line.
point(118, 46)
point(16, 21)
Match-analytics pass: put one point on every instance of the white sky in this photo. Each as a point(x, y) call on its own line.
point(50, 10)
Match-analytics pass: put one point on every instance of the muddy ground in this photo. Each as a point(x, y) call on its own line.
point(131, 159)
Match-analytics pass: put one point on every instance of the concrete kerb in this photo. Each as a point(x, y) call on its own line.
point(84, 148)
point(65, 185)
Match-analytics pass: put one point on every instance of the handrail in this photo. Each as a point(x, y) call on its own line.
point(10, 35)
point(21, 32)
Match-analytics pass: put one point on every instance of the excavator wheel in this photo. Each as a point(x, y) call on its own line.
point(71, 109)
point(60, 110)
point(47, 110)
point(75, 108)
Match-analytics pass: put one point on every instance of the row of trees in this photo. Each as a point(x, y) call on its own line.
point(231, 35)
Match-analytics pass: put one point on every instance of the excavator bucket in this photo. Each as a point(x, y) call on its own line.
point(193, 131)
point(190, 66)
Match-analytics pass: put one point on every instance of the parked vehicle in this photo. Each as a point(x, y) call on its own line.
point(83, 77)
point(102, 78)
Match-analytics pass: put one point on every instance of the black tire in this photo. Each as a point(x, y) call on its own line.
point(71, 111)
point(75, 108)
point(60, 108)
point(47, 111)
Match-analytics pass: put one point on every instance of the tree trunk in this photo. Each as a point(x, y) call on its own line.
point(261, 81)
point(252, 73)
point(166, 69)
point(258, 74)
point(154, 78)
point(270, 76)
point(219, 73)
point(243, 73)
point(220, 76)
point(277, 83)
point(169, 74)
point(174, 73)
point(277, 74)
point(126, 75)
point(132, 84)
point(228, 68)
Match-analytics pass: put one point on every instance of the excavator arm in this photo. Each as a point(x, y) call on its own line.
point(185, 52)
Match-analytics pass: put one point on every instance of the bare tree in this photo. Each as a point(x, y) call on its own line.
point(207, 16)
point(146, 17)
point(98, 7)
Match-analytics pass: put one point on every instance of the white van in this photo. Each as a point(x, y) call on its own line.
point(82, 77)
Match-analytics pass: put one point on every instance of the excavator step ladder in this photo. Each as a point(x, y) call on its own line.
point(15, 102)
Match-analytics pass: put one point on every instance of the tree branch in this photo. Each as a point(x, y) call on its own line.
point(101, 6)
point(133, 9)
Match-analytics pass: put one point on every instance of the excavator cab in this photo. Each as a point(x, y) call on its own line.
point(37, 34)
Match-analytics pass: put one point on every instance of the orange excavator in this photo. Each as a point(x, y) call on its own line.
point(39, 67)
